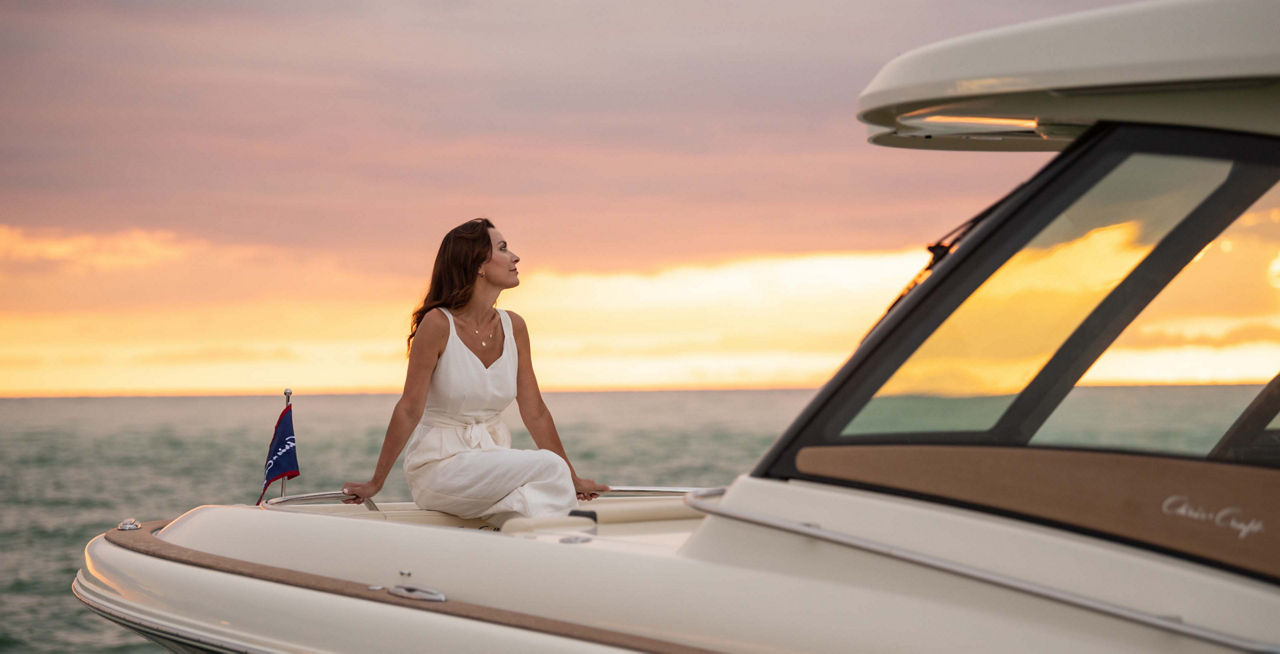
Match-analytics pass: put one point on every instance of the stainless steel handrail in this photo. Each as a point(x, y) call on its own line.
point(697, 500)
point(622, 491)
point(318, 498)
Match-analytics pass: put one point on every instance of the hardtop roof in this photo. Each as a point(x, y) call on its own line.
point(1207, 63)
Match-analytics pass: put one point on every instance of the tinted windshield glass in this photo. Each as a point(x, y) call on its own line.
point(967, 373)
point(1161, 279)
point(1188, 366)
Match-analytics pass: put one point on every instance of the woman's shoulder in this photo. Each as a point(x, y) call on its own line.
point(434, 327)
point(426, 347)
point(434, 317)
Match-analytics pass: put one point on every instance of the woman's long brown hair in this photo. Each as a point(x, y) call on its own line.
point(453, 278)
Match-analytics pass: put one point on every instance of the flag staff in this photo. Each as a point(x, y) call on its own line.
point(288, 399)
point(282, 455)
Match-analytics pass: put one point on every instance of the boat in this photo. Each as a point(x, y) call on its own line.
point(959, 485)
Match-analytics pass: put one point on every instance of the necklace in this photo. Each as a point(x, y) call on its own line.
point(484, 342)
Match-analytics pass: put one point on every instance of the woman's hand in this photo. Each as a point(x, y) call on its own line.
point(361, 491)
point(588, 489)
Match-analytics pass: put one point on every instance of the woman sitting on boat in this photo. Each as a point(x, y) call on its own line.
point(467, 361)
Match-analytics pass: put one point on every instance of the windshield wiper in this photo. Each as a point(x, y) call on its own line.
point(941, 248)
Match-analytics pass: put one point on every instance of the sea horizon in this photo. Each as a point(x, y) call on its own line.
point(356, 393)
point(340, 393)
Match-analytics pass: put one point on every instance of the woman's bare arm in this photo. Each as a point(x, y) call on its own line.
point(534, 412)
point(427, 346)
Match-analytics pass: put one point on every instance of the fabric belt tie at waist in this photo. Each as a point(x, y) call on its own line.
point(473, 433)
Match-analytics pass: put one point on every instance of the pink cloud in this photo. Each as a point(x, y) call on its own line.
point(365, 131)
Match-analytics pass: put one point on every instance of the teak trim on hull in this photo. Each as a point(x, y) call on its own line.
point(144, 541)
point(1213, 512)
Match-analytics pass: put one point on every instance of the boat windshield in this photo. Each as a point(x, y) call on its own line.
point(1143, 316)
point(1101, 353)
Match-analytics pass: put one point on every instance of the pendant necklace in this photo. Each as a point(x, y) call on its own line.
point(483, 341)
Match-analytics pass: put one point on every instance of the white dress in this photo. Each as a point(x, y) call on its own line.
point(459, 459)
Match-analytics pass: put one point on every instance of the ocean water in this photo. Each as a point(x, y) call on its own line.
point(73, 468)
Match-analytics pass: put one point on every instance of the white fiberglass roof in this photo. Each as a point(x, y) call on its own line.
point(1211, 63)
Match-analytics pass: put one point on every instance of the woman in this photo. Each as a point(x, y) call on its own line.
point(467, 360)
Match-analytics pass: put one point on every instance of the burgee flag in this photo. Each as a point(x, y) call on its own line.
point(282, 458)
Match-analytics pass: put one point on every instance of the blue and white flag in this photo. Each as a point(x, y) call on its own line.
point(282, 458)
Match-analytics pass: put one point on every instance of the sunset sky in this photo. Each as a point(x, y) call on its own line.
point(239, 197)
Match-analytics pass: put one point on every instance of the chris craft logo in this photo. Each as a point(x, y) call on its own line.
point(1231, 517)
point(289, 444)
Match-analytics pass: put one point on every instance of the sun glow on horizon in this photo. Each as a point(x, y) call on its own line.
point(758, 322)
point(764, 322)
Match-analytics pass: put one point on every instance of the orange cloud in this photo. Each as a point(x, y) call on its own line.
point(132, 270)
point(775, 321)
point(13, 361)
point(231, 354)
point(1153, 338)
point(84, 253)
point(1246, 363)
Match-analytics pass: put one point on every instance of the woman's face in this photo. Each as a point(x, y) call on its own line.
point(500, 269)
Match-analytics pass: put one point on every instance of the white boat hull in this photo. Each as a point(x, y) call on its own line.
point(677, 584)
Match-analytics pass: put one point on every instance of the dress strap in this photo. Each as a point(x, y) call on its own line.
point(509, 338)
point(448, 315)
